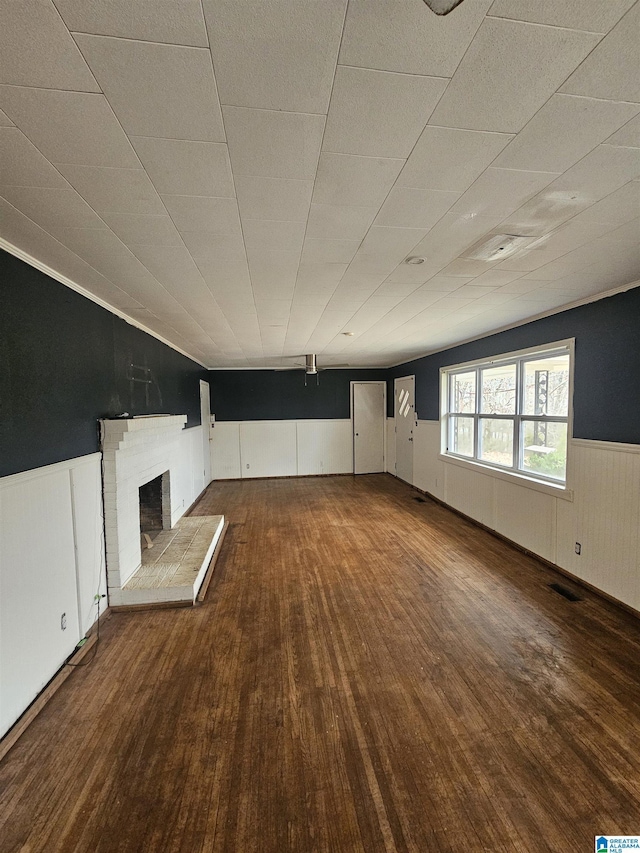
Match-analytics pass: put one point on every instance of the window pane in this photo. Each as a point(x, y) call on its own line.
point(545, 448)
point(496, 441)
point(461, 439)
point(499, 390)
point(546, 386)
point(463, 392)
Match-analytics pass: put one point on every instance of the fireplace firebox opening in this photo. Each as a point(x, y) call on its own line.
point(155, 508)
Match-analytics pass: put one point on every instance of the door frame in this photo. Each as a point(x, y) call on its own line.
point(382, 382)
point(395, 424)
point(206, 438)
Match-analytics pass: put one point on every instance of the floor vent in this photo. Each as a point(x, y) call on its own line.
point(567, 593)
point(420, 500)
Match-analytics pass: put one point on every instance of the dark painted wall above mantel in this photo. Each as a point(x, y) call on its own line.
point(65, 362)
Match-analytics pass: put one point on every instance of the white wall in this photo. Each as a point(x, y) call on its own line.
point(52, 562)
point(281, 448)
point(603, 514)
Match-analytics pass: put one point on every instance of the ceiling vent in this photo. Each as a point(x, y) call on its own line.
point(442, 7)
point(498, 247)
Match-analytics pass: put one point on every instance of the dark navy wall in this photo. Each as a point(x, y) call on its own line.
point(606, 398)
point(65, 362)
point(266, 395)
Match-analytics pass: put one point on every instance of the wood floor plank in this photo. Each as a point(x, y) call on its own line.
point(367, 674)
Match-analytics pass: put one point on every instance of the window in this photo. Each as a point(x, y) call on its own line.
point(510, 412)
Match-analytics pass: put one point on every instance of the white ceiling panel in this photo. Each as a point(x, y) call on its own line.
point(407, 37)
point(611, 71)
point(70, 127)
point(346, 179)
point(411, 208)
point(201, 213)
point(323, 250)
point(509, 71)
point(204, 245)
point(275, 54)
point(450, 159)
point(227, 278)
point(627, 136)
point(52, 206)
point(265, 234)
point(563, 131)
point(21, 164)
point(391, 243)
point(181, 167)
point(465, 268)
point(596, 16)
point(339, 223)
point(319, 276)
point(157, 89)
point(545, 211)
point(5, 121)
point(273, 198)
point(136, 228)
point(47, 56)
point(110, 190)
point(618, 207)
point(148, 20)
point(273, 144)
point(501, 191)
point(379, 113)
point(173, 267)
point(273, 274)
point(602, 171)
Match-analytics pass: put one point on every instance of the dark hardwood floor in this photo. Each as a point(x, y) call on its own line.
point(368, 673)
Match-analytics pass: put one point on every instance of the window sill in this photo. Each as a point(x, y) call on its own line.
point(557, 491)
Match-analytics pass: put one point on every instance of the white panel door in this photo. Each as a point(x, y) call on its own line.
point(205, 418)
point(404, 393)
point(368, 427)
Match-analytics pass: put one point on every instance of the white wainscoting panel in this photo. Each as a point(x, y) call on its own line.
point(324, 447)
point(225, 451)
point(469, 492)
point(428, 469)
point(526, 516)
point(37, 585)
point(604, 518)
point(86, 492)
point(391, 446)
point(268, 448)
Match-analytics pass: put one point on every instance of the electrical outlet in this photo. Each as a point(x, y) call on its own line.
point(63, 622)
point(578, 548)
point(247, 464)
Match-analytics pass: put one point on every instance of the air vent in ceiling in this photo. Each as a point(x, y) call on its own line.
point(497, 247)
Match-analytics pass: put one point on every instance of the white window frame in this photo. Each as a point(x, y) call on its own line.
point(518, 357)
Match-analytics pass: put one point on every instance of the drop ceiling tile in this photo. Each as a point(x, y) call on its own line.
point(447, 158)
point(48, 206)
point(320, 275)
point(596, 16)
point(628, 136)
point(390, 244)
point(134, 228)
point(266, 234)
point(501, 191)
point(21, 164)
point(496, 278)
point(379, 113)
point(323, 250)
point(48, 58)
point(406, 37)
point(544, 212)
point(601, 172)
point(273, 198)
point(339, 223)
point(611, 70)
point(228, 279)
point(201, 244)
point(110, 190)
point(173, 267)
point(147, 20)
point(618, 207)
point(442, 284)
point(275, 55)
point(5, 121)
point(181, 167)
point(346, 179)
point(273, 274)
point(508, 73)
point(273, 144)
point(157, 89)
point(200, 213)
point(563, 131)
point(70, 127)
point(465, 268)
point(412, 208)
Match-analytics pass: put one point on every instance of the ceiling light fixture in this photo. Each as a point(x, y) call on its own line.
point(414, 259)
point(498, 246)
point(349, 334)
point(442, 7)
